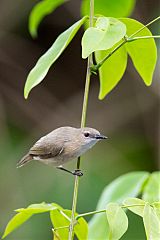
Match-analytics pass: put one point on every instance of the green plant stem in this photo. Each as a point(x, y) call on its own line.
point(90, 213)
point(83, 123)
point(94, 68)
point(104, 210)
point(142, 37)
point(55, 229)
point(148, 24)
point(65, 215)
point(74, 204)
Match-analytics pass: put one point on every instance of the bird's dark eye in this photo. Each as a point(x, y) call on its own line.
point(86, 134)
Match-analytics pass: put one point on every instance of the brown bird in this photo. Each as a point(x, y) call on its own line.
point(62, 145)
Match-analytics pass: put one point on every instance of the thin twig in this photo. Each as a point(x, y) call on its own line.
point(65, 215)
point(142, 37)
point(94, 68)
point(148, 24)
point(58, 228)
point(104, 210)
point(83, 123)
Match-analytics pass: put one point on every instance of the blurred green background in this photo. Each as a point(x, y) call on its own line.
point(129, 116)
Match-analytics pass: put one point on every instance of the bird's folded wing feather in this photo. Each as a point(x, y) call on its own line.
point(45, 150)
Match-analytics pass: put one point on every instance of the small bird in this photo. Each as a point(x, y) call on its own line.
point(62, 145)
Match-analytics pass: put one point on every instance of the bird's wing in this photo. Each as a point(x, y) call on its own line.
point(44, 150)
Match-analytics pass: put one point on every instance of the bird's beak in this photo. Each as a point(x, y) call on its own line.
point(99, 136)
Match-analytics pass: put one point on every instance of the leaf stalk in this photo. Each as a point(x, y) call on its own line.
point(104, 210)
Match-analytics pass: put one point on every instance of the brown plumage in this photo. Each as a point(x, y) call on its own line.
point(61, 145)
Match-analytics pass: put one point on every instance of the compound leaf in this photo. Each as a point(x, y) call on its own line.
point(127, 185)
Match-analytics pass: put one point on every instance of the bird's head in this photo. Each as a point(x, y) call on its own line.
point(89, 136)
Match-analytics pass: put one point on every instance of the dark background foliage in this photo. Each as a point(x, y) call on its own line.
point(129, 116)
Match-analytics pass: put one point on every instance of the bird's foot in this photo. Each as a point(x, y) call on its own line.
point(77, 172)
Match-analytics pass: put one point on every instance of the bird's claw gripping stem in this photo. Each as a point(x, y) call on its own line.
point(77, 172)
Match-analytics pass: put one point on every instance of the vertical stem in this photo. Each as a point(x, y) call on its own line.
point(83, 123)
point(86, 92)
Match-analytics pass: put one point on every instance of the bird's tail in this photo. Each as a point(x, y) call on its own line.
point(27, 158)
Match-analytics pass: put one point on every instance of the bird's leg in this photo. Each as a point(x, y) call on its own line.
point(76, 172)
point(64, 169)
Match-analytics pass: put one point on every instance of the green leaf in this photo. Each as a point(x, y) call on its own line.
point(109, 78)
point(128, 185)
point(15, 222)
point(114, 8)
point(102, 23)
point(151, 191)
point(117, 220)
point(39, 11)
point(142, 52)
point(98, 227)
point(151, 223)
point(156, 206)
point(25, 213)
point(59, 220)
point(81, 229)
point(39, 208)
point(91, 41)
point(135, 205)
point(106, 33)
point(41, 68)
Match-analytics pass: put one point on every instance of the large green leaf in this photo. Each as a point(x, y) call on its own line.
point(151, 191)
point(41, 68)
point(128, 185)
point(25, 213)
point(117, 220)
point(151, 223)
point(135, 205)
point(15, 222)
point(39, 11)
point(60, 221)
point(39, 208)
point(142, 52)
point(114, 8)
point(109, 78)
point(106, 33)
